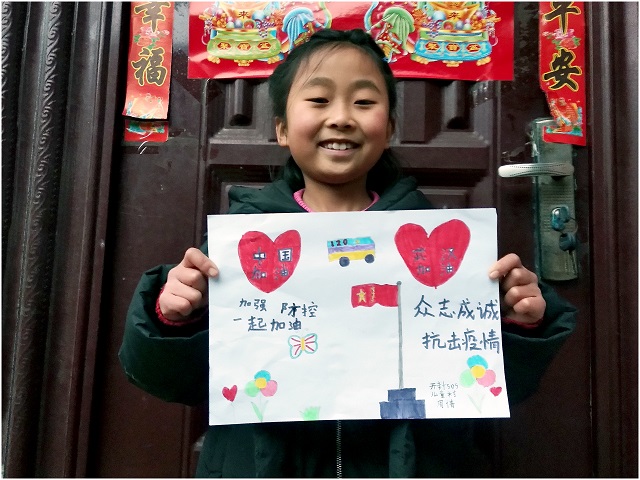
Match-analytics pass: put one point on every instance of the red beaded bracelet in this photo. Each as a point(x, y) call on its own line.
point(510, 321)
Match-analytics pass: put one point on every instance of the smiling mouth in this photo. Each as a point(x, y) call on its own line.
point(339, 145)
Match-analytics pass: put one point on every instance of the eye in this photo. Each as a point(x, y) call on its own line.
point(365, 102)
point(317, 100)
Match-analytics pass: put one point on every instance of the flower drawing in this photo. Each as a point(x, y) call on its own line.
point(261, 384)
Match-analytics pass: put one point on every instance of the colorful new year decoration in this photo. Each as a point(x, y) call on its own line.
point(454, 40)
point(562, 70)
point(145, 130)
point(407, 326)
point(149, 70)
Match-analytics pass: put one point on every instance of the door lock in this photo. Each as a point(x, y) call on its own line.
point(554, 203)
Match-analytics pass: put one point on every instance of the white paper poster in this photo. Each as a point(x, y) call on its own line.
point(354, 315)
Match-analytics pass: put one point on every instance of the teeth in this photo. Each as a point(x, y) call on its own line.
point(338, 146)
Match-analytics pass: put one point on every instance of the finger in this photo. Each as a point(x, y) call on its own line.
point(174, 307)
point(532, 307)
point(194, 258)
point(518, 276)
point(177, 301)
point(504, 265)
point(188, 276)
point(193, 296)
point(518, 293)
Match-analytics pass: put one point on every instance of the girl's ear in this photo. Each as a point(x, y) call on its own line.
point(281, 132)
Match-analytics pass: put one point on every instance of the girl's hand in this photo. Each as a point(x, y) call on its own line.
point(522, 300)
point(186, 287)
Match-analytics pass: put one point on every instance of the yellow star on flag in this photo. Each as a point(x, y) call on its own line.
point(362, 296)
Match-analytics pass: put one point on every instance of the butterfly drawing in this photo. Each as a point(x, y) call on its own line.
point(307, 344)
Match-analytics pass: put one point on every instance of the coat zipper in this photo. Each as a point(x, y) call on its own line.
point(338, 449)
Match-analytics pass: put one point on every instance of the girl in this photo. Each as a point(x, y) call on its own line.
point(334, 100)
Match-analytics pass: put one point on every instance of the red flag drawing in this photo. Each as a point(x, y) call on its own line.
point(370, 294)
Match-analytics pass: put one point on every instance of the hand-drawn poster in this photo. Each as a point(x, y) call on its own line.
point(354, 315)
point(451, 40)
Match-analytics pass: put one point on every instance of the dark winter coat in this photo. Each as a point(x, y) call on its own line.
point(172, 364)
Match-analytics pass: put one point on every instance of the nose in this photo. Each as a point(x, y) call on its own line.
point(339, 116)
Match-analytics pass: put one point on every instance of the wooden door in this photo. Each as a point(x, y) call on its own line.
point(451, 135)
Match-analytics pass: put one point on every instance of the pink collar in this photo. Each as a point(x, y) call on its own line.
point(297, 196)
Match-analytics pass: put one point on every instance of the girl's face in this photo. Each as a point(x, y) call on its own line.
point(338, 121)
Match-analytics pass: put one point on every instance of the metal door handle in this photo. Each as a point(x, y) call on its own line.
point(553, 169)
point(554, 203)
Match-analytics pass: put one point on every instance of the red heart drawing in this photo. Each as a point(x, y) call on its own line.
point(230, 393)
point(433, 259)
point(495, 390)
point(268, 264)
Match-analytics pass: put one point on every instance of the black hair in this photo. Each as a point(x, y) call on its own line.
point(387, 170)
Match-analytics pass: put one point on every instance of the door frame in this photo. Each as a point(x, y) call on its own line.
point(612, 106)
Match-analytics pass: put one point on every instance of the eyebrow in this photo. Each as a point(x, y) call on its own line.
point(327, 82)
